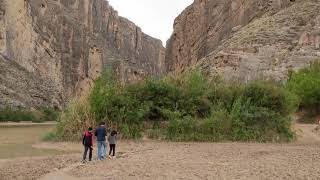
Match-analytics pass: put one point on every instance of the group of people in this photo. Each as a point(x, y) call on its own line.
point(100, 133)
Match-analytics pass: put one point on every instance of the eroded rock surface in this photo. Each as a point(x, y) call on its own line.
point(64, 45)
point(245, 39)
point(19, 87)
point(52, 50)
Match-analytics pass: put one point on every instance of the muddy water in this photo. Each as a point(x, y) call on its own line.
point(18, 141)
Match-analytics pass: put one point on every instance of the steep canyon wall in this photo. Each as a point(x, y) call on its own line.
point(245, 39)
point(64, 45)
point(52, 50)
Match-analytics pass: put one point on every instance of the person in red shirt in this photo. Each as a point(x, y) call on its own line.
point(87, 141)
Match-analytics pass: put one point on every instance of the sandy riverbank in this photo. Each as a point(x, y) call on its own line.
point(169, 160)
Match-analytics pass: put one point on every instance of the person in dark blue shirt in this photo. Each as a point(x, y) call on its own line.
point(101, 134)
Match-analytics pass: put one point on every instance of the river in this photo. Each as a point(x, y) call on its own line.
point(18, 141)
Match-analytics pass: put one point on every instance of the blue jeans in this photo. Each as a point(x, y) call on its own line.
point(102, 149)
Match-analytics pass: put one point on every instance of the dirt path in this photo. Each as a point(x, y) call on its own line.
point(169, 160)
point(62, 174)
point(307, 133)
point(58, 176)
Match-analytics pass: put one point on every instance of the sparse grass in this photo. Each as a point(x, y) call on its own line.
point(51, 137)
point(72, 122)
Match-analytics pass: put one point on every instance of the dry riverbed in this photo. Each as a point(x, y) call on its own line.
point(169, 160)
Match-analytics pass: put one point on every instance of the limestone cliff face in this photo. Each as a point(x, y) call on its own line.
point(20, 88)
point(64, 45)
point(245, 39)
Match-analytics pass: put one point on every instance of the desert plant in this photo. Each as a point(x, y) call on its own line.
point(194, 108)
point(73, 121)
point(305, 83)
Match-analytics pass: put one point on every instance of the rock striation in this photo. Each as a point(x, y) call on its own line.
point(245, 39)
point(52, 50)
point(20, 88)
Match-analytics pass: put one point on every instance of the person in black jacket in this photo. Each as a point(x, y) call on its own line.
point(87, 142)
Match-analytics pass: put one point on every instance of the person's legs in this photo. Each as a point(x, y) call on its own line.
point(99, 144)
point(104, 144)
point(110, 149)
point(90, 153)
point(85, 153)
point(114, 150)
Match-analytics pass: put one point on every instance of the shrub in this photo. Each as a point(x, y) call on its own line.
point(218, 126)
point(272, 96)
point(306, 84)
point(156, 132)
point(193, 107)
point(38, 116)
point(50, 114)
point(181, 129)
point(51, 136)
point(73, 121)
point(132, 131)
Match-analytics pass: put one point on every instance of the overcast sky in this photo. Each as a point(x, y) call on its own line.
point(155, 17)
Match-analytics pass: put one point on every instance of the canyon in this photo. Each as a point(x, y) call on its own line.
point(53, 50)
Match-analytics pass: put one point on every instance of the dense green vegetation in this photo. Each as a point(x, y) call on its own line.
point(306, 84)
point(17, 115)
point(190, 107)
